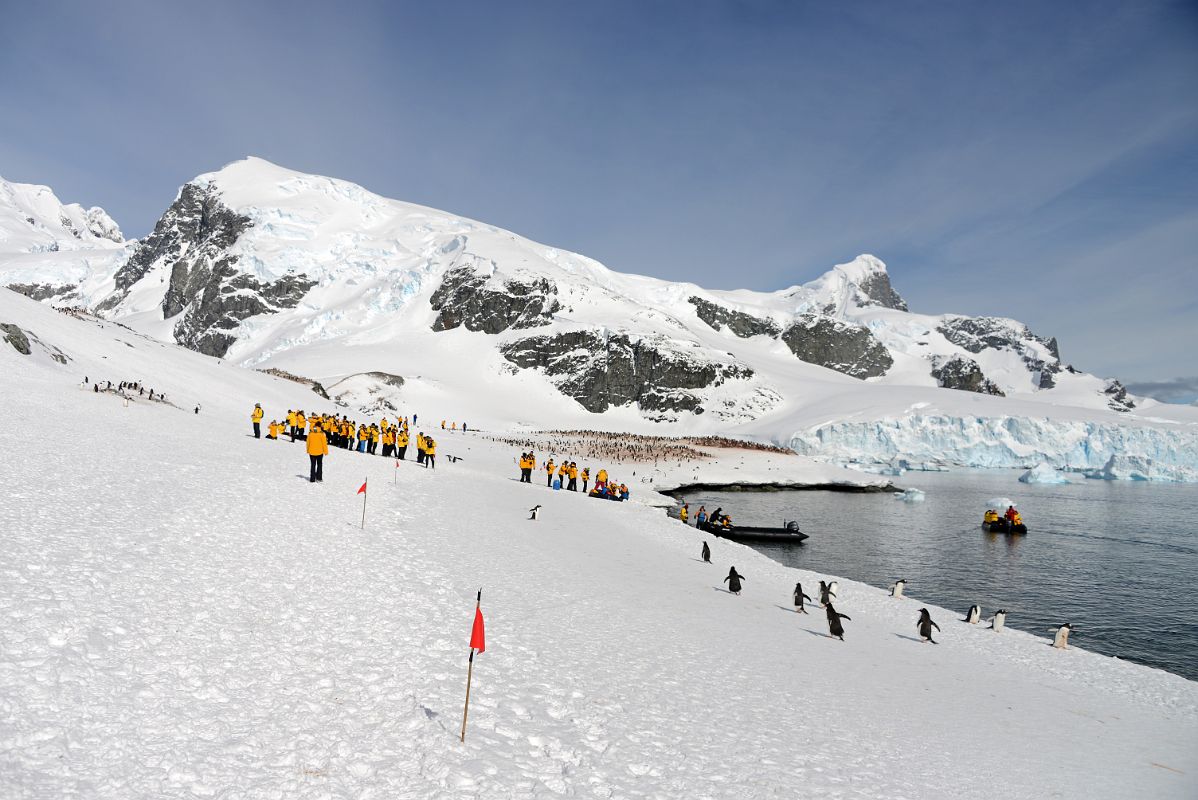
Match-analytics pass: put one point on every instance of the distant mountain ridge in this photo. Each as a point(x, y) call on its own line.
point(258, 264)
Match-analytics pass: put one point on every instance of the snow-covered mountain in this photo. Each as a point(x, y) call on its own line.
point(387, 300)
point(55, 251)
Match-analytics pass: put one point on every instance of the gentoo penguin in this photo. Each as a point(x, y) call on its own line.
point(825, 594)
point(834, 589)
point(534, 511)
point(706, 553)
point(1061, 640)
point(733, 580)
point(799, 597)
point(973, 615)
point(897, 589)
point(925, 626)
point(1000, 619)
point(834, 626)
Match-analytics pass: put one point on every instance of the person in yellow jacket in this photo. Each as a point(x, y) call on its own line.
point(601, 478)
point(401, 444)
point(273, 429)
point(430, 453)
point(525, 462)
point(301, 425)
point(572, 474)
point(586, 477)
point(562, 470)
point(256, 418)
point(683, 513)
point(318, 448)
point(549, 467)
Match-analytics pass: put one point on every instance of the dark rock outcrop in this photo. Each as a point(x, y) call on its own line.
point(193, 238)
point(838, 345)
point(742, 324)
point(1117, 398)
point(43, 291)
point(878, 291)
point(16, 337)
point(976, 334)
point(601, 371)
point(491, 305)
point(959, 372)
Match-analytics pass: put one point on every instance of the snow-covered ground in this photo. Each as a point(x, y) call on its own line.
point(183, 614)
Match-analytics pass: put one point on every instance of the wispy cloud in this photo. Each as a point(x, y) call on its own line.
point(1178, 390)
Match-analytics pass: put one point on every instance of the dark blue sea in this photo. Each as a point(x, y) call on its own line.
point(1118, 559)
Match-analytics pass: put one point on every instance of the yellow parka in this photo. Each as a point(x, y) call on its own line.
point(256, 416)
point(318, 443)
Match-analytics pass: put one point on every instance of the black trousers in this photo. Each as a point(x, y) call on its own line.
point(584, 485)
point(525, 475)
point(430, 460)
point(573, 485)
point(257, 430)
point(399, 452)
point(549, 480)
point(317, 469)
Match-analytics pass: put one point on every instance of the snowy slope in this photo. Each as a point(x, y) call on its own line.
point(268, 267)
point(185, 615)
point(57, 252)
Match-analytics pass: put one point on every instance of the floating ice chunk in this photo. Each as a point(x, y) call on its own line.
point(910, 496)
point(1043, 473)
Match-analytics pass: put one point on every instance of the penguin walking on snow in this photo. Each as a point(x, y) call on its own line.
point(998, 620)
point(826, 593)
point(897, 589)
point(973, 615)
point(733, 580)
point(834, 627)
point(1061, 640)
point(925, 626)
point(534, 512)
point(799, 597)
point(706, 553)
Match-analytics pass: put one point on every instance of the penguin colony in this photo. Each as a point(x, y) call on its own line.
point(925, 624)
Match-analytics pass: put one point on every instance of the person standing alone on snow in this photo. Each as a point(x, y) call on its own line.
point(318, 448)
point(256, 418)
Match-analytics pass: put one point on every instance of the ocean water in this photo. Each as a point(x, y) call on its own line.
point(1117, 559)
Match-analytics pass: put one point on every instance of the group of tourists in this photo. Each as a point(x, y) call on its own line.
point(567, 476)
point(717, 517)
point(322, 431)
point(453, 426)
point(1011, 515)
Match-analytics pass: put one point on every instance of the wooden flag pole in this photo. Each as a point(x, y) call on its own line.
point(364, 504)
point(470, 672)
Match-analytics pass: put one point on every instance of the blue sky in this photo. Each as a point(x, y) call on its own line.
point(1035, 160)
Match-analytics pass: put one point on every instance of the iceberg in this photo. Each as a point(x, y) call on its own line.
point(1043, 473)
point(910, 496)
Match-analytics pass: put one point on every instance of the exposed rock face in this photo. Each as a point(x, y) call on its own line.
point(742, 324)
point(484, 303)
point(16, 337)
point(193, 238)
point(43, 291)
point(1117, 397)
point(603, 371)
point(963, 373)
point(877, 289)
point(22, 341)
point(838, 345)
point(979, 333)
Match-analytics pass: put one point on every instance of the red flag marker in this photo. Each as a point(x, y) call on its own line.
point(362, 491)
point(477, 635)
point(477, 642)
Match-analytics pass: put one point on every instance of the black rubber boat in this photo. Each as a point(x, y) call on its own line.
point(1004, 526)
point(790, 534)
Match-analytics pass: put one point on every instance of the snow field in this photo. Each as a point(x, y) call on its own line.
point(184, 615)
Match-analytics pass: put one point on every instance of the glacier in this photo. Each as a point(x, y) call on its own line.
point(1009, 442)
